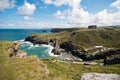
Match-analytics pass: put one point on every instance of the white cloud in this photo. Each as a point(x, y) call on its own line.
point(116, 4)
point(27, 9)
point(47, 1)
point(106, 18)
point(6, 4)
point(59, 15)
point(71, 3)
point(27, 18)
point(77, 15)
point(34, 24)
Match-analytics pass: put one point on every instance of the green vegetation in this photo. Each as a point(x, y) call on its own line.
point(12, 68)
point(84, 37)
point(33, 68)
point(79, 41)
point(70, 71)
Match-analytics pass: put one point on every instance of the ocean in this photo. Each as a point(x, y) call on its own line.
point(42, 51)
point(19, 34)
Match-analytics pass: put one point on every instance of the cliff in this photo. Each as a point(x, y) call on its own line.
point(33, 68)
point(77, 41)
point(14, 68)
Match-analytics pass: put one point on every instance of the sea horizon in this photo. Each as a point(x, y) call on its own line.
point(19, 34)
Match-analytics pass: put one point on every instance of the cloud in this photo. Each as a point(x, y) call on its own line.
point(116, 4)
point(63, 2)
point(34, 24)
point(47, 1)
point(27, 9)
point(106, 18)
point(6, 4)
point(59, 15)
point(27, 18)
point(78, 16)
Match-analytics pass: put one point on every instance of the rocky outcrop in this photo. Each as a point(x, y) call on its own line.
point(70, 48)
point(52, 42)
point(100, 76)
point(35, 40)
point(17, 52)
point(113, 59)
point(55, 44)
point(21, 54)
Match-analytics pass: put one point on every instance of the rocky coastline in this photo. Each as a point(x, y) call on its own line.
point(73, 42)
point(16, 52)
point(59, 48)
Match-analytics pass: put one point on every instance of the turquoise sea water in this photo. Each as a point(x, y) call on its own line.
point(42, 51)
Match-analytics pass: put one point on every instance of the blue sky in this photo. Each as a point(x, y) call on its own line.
point(58, 13)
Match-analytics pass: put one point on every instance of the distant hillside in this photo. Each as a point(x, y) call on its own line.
point(108, 37)
point(77, 41)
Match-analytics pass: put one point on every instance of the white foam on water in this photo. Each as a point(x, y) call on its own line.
point(22, 40)
point(31, 46)
point(50, 48)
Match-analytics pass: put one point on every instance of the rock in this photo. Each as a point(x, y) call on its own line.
point(56, 52)
point(100, 76)
point(35, 40)
point(21, 54)
point(112, 59)
point(69, 47)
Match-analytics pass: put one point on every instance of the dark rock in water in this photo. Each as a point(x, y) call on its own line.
point(44, 31)
point(113, 59)
point(56, 52)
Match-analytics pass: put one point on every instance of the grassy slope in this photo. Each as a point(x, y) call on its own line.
point(31, 68)
point(68, 71)
point(85, 37)
point(19, 69)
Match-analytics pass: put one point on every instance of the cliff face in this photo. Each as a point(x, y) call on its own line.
point(35, 40)
point(112, 57)
point(75, 41)
point(14, 68)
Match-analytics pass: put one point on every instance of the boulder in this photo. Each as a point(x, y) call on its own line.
point(99, 76)
point(112, 59)
point(56, 52)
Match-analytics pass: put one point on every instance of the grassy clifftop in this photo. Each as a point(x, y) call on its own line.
point(83, 37)
point(12, 68)
point(32, 68)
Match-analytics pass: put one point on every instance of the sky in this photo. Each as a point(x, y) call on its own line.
point(35, 14)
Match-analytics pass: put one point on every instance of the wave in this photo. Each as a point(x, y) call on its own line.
point(19, 40)
point(28, 45)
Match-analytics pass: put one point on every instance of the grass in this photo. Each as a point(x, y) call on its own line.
point(69, 71)
point(27, 68)
point(33, 68)
point(85, 37)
